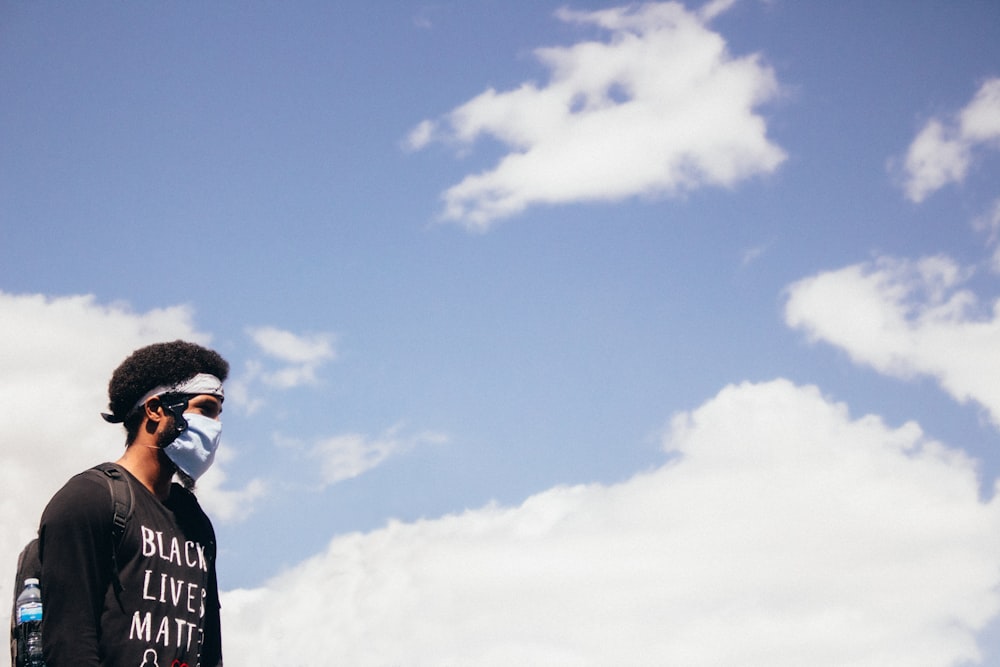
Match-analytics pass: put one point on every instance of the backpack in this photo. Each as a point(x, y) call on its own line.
point(29, 565)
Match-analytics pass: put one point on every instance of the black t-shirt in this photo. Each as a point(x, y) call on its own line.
point(166, 612)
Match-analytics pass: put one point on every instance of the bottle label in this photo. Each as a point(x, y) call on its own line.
point(29, 612)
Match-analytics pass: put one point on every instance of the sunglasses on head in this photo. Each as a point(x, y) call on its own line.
point(176, 404)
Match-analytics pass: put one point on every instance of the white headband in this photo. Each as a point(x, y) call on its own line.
point(202, 383)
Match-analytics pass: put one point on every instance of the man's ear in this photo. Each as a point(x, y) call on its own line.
point(154, 410)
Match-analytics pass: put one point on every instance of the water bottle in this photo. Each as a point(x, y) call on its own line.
point(29, 625)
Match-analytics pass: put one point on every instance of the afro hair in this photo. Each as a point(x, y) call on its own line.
point(156, 365)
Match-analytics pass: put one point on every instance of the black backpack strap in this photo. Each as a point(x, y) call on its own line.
point(121, 503)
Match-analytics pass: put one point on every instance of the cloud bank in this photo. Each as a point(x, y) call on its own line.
point(944, 149)
point(782, 533)
point(660, 108)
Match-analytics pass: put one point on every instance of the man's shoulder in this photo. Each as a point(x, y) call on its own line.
point(188, 511)
point(183, 500)
point(84, 494)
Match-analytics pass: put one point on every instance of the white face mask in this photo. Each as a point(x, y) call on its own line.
point(193, 450)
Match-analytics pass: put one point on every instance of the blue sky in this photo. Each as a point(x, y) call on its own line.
point(551, 325)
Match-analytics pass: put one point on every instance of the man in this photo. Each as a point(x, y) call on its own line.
point(151, 600)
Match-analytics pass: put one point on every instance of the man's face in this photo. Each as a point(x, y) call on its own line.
point(206, 405)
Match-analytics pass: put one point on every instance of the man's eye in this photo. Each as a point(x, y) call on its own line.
point(206, 409)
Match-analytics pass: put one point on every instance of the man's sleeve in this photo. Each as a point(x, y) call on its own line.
point(75, 551)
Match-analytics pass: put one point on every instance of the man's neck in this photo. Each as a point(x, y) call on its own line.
point(148, 464)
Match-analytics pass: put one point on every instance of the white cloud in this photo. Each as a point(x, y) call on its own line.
point(942, 152)
point(56, 357)
point(346, 456)
point(713, 8)
point(751, 255)
point(905, 318)
point(349, 455)
point(239, 388)
point(989, 222)
point(935, 158)
point(659, 108)
point(286, 346)
point(304, 354)
point(225, 504)
point(980, 121)
point(784, 533)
